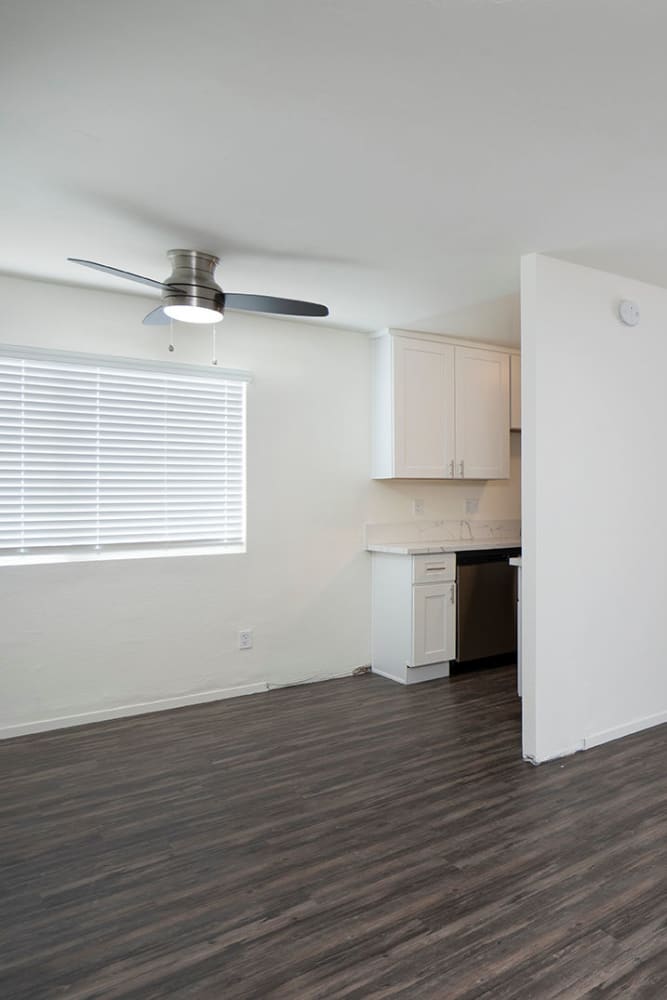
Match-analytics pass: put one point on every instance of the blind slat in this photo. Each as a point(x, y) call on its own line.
point(113, 457)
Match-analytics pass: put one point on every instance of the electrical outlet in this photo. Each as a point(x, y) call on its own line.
point(245, 638)
point(418, 507)
point(472, 505)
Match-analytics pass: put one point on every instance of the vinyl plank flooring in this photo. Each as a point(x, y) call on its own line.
point(352, 839)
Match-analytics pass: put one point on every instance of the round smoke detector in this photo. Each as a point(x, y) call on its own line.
point(628, 312)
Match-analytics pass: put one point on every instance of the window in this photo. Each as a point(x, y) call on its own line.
point(104, 456)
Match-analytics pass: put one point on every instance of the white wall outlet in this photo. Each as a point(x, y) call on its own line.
point(245, 638)
point(418, 508)
point(472, 505)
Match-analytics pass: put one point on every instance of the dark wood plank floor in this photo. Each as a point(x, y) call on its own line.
point(351, 839)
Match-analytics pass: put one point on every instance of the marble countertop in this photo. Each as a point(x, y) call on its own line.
point(426, 548)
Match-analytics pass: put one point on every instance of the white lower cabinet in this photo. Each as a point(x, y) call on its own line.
point(433, 623)
point(413, 616)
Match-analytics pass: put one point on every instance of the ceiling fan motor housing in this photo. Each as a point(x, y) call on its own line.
point(192, 281)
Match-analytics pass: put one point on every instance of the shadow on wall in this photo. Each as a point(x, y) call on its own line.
point(497, 321)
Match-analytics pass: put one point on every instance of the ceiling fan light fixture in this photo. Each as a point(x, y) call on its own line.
point(193, 314)
point(192, 295)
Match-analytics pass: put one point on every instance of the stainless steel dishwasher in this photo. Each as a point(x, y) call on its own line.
point(486, 604)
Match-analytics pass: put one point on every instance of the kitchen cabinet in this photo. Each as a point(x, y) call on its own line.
point(482, 414)
point(440, 410)
point(515, 392)
point(433, 623)
point(423, 413)
point(413, 616)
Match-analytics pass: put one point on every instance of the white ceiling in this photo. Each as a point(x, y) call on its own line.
point(392, 158)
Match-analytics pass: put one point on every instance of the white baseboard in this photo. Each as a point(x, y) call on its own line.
point(278, 685)
point(565, 752)
point(616, 732)
point(605, 736)
point(122, 711)
point(390, 677)
point(416, 675)
point(429, 672)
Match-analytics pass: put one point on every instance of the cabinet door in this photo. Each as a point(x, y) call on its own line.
point(482, 414)
point(423, 409)
point(515, 392)
point(433, 623)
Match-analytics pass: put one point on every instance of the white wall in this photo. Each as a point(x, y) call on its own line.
point(497, 321)
point(594, 486)
point(114, 637)
point(390, 500)
point(83, 637)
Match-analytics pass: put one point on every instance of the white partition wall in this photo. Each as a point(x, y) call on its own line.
point(594, 498)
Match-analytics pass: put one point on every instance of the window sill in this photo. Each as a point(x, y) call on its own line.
point(45, 558)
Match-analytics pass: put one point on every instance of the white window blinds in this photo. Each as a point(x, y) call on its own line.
point(106, 454)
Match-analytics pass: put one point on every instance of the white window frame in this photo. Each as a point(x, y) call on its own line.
point(77, 553)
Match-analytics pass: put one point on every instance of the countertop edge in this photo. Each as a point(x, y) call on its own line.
point(428, 548)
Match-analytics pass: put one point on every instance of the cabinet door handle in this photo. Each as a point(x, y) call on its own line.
point(461, 468)
point(451, 469)
point(452, 591)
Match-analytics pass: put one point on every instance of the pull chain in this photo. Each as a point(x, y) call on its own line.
point(214, 359)
point(171, 335)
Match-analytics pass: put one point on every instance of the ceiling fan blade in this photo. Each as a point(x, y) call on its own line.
point(116, 271)
point(157, 317)
point(270, 304)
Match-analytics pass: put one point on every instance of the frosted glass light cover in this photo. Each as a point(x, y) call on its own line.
point(193, 314)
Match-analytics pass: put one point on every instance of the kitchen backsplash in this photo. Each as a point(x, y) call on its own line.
point(442, 530)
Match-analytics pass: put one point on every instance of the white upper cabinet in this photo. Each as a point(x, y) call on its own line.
point(440, 410)
point(515, 392)
point(423, 415)
point(482, 414)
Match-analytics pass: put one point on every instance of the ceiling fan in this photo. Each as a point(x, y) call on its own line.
point(192, 295)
